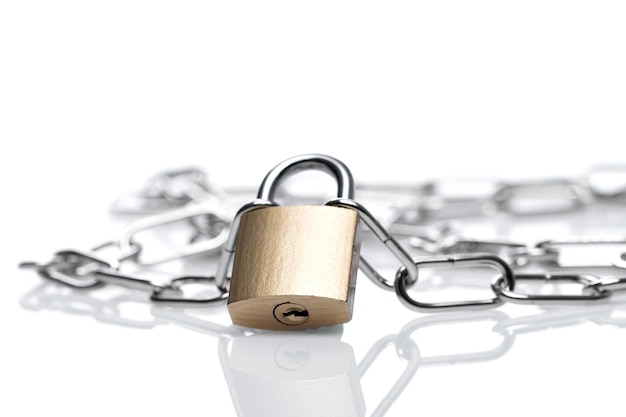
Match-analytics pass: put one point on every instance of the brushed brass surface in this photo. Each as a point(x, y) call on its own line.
point(302, 255)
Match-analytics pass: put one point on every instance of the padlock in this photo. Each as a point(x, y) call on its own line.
point(295, 267)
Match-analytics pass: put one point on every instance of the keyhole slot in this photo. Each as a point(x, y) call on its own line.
point(291, 314)
point(296, 313)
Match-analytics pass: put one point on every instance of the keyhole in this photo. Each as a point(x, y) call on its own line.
point(297, 313)
point(291, 314)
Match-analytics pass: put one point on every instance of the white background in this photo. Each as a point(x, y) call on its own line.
point(96, 96)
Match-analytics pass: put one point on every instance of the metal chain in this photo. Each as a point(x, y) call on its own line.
point(427, 219)
point(423, 213)
point(427, 223)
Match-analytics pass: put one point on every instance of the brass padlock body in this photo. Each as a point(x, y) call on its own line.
point(295, 267)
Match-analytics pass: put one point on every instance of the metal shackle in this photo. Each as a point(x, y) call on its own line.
point(296, 164)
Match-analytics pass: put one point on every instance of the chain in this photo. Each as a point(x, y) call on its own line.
point(183, 198)
point(429, 217)
point(599, 195)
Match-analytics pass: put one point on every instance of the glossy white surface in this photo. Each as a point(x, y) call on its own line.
point(96, 97)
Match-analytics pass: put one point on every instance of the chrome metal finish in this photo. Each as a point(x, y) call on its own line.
point(402, 284)
point(167, 190)
point(583, 240)
point(609, 285)
point(172, 293)
point(111, 276)
point(215, 243)
point(71, 267)
point(291, 166)
point(590, 240)
point(588, 282)
point(389, 241)
point(523, 256)
point(457, 244)
point(541, 197)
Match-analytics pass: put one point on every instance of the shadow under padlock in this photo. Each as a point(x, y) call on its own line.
point(292, 374)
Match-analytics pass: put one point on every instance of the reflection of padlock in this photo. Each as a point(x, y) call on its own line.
point(278, 374)
point(295, 266)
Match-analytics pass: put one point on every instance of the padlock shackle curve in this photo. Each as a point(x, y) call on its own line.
point(319, 162)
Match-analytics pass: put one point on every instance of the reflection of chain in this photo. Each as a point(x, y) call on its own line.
point(421, 214)
point(276, 360)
